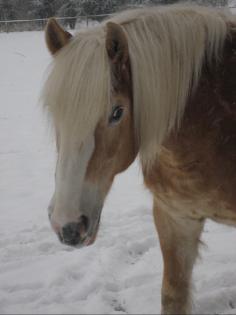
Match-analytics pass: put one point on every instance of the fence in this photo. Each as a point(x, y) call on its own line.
point(39, 24)
point(68, 22)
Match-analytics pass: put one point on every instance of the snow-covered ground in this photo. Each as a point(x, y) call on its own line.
point(122, 272)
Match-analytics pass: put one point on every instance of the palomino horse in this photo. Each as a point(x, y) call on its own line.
point(158, 82)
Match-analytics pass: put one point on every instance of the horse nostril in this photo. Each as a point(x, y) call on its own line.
point(84, 223)
point(71, 234)
point(75, 232)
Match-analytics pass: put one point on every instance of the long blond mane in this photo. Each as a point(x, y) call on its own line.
point(167, 47)
point(77, 91)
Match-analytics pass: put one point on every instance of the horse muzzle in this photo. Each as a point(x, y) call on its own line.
point(77, 234)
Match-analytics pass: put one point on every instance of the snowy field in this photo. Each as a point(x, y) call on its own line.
point(122, 272)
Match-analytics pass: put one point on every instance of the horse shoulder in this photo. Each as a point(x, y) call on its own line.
point(195, 173)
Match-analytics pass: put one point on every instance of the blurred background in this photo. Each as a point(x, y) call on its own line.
point(27, 15)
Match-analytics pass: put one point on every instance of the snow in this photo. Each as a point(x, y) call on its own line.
point(122, 272)
point(232, 5)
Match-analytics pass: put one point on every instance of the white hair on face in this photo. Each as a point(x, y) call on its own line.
point(77, 91)
point(167, 47)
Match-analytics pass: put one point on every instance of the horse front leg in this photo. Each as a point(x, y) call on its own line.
point(179, 240)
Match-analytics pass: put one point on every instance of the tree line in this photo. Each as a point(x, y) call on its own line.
point(38, 9)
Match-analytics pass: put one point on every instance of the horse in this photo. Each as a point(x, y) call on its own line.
point(157, 83)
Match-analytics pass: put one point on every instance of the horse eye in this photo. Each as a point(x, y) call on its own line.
point(116, 114)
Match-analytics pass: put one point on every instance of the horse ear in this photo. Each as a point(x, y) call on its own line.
point(116, 44)
point(56, 36)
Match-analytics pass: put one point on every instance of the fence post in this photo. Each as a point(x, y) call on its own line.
point(87, 20)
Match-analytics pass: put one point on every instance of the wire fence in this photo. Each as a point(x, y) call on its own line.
point(68, 22)
point(39, 24)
